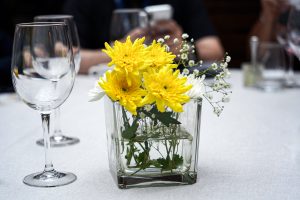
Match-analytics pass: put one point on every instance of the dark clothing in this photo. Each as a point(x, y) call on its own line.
point(13, 12)
point(5, 62)
point(93, 18)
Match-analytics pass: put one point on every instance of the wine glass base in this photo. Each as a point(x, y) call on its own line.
point(59, 141)
point(291, 84)
point(49, 179)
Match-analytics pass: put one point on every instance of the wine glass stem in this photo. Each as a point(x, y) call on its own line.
point(57, 129)
point(291, 63)
point(46, 132)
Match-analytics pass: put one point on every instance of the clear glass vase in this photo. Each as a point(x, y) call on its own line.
point(153, 148)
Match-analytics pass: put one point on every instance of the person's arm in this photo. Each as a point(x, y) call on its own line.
point(265, 27)
point(209, 48)
point(194, 20)
point(90, 58)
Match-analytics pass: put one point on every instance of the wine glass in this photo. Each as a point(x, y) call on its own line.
point(43, 75)
point(293, 28)
point(282, 38)
point(57, 139)
point(126, 21)
point(271, 66)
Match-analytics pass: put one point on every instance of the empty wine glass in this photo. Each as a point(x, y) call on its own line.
point(271, 66)
point(282, 38)
point(43, 75)
point(293, 28)
point(58, 139)
point(125, 21)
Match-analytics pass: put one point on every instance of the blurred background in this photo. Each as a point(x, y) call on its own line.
point(232, 21)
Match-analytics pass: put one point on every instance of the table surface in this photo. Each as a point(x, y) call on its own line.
point(252, 151)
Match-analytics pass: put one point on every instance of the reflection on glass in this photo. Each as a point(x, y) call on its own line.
point(58, 139)
point(43, 74)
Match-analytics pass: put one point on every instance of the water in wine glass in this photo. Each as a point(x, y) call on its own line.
point(40, 93)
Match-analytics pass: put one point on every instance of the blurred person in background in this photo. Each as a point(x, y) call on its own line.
point(12, 13)
point(5, 62)
point(272, 24)
point(93, 20)
point(273, 16)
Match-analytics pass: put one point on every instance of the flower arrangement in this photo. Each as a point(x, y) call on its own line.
point(148, 75)
point(150, 92)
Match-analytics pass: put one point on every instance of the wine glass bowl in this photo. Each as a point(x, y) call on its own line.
point(271, 65)
point(124, 21)
point(293, 28)
point(43, 75)
point(69, 20)
point(41, 79)
point(293, 33)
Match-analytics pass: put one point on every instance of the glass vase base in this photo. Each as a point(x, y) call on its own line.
point(60, 141)
point(49, 179)
point(126, 182)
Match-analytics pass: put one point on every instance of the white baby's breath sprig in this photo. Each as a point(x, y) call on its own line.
point(160, 40)
point(196, 72)
point(186, 71)
point(167, 37)
point(228, 59)
point(167, 48)
point(185, 36)
point(184, 56)
point(191, 63)
point(148, 107)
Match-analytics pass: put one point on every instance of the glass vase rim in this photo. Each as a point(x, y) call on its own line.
point(198, 100)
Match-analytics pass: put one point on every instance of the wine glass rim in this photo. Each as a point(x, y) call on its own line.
point(128, 10)
point(41, 24)
point(53, 17)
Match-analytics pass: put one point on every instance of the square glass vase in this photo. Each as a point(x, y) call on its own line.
point(153, 148)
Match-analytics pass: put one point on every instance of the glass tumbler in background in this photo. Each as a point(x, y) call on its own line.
point(125, 21)
point(43, 75)
point(271, 66)
point(58, 139)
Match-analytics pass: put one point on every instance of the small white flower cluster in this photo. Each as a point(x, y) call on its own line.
point(215, 93)
point(219, 86)
point(186, 48)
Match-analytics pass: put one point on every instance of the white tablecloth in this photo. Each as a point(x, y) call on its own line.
point(251, 152)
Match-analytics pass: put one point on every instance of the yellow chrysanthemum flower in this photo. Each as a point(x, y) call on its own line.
point(165, 88)
point(117, 88)
point(158, 57)
point(127, 57)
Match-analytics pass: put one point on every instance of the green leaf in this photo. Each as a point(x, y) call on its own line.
point(129, 155)
point(130, 131)
point(164, 117)
point(177, 161)
point(164, 164)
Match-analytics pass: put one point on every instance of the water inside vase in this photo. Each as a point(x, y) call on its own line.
point(157, 153)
